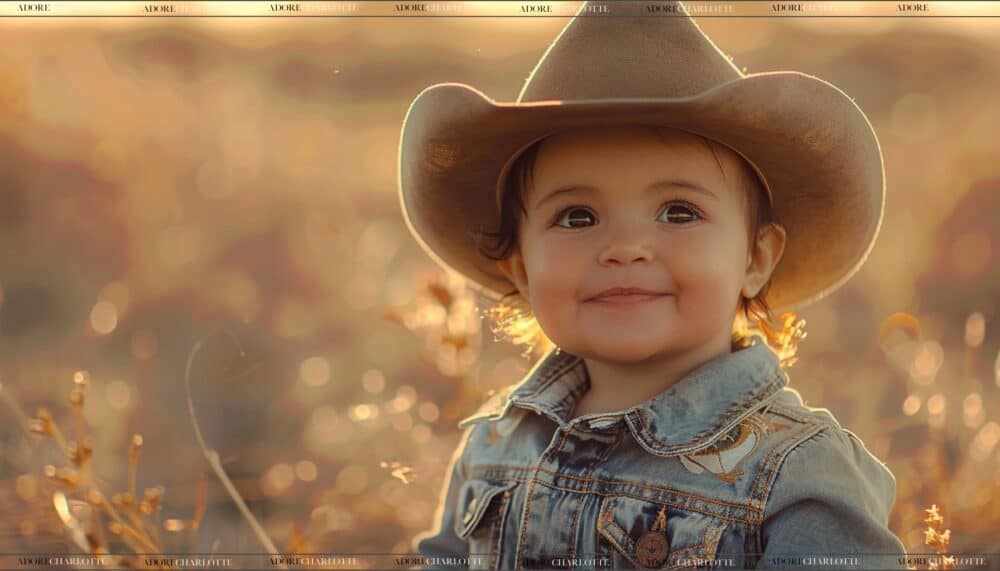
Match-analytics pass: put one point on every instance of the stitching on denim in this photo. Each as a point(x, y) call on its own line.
point(594, 464)
point(614, 543)
point(488, 527)
point(765, 482)
point(624, 534)
point(527, 505)
point(574, 526)
point(614, 482)
point(603, 513)
point(712, 545)
point(697, 548)
point(497, 490)
point(766, 465)
point(789, 412)
point(498, 542)
point(574, 393)
point(777, 449)
point(674, 553)
point(707, 545)
point(553, 371)
point(725, 516)
point(771, 464)
point(809, 435)
point(723, 419)
point(650, 487)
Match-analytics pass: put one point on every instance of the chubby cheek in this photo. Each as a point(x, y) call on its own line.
point(554, 279)
point(708, 285)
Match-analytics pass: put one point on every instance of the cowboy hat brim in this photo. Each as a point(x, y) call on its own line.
point(812, 144)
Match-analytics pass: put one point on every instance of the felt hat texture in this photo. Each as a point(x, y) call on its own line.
point(813, 147)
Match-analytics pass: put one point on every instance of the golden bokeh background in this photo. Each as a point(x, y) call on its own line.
point(233, 181)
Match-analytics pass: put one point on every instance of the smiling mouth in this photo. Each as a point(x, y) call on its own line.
point(626, 299)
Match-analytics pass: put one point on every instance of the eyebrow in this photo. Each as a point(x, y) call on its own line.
point(658, 185)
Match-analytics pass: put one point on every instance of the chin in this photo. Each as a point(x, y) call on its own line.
point(621, 351)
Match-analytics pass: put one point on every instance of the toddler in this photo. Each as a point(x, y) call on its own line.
point(637, 214)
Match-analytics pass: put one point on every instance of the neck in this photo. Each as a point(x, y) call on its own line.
point(618, 386)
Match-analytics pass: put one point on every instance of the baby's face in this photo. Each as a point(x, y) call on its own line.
point(624, 207)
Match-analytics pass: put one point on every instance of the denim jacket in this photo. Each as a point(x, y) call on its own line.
point(728, 466)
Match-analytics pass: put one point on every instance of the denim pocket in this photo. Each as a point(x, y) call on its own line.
point(482, 512)
point(644, 534)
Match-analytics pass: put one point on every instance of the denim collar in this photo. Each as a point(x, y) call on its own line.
point(688, 416)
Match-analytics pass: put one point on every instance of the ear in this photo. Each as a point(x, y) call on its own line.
point(513, 267)
point(764, 257)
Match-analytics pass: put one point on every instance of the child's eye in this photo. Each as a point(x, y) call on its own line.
point(576, 217)
point(679, 213)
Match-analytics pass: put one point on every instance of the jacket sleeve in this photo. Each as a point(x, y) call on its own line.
point(440, 540)
point(831, 499)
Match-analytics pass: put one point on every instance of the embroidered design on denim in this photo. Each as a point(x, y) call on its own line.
point(771, 426)
point(779, 426)
point(723, 456)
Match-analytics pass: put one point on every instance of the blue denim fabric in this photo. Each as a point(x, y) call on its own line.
point(726, 465)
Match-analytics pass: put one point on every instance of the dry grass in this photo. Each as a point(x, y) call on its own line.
point(67, 500)
point(213, 457)
point(68, 505)
point(79, 506)
point(937, 539)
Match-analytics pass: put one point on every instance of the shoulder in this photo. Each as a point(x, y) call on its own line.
point(485, 432)
point(493, 407)
point(824, 462)
point(827, 492)
point(789, 405)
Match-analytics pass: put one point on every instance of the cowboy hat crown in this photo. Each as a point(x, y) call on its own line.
point(660, 56)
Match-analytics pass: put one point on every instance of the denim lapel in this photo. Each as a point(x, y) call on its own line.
point(686, 417)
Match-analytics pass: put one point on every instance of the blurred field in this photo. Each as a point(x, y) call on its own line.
point(161, 182)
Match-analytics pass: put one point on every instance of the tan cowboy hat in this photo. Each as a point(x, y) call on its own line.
point(812, 145)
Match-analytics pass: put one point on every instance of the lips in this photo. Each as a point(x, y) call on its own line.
point(627, 295)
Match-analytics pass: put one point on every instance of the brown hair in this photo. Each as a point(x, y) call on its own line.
point(512, 318)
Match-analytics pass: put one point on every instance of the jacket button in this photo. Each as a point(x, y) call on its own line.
point(651, 549)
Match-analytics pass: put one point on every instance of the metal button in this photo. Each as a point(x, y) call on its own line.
point(651, 549)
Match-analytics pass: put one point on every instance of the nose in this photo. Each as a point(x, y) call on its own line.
point(628, 245)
